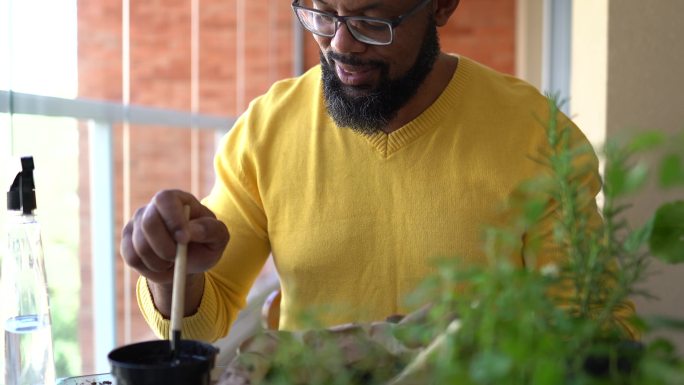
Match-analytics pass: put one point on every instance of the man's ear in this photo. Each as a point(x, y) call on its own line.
point(443, 10)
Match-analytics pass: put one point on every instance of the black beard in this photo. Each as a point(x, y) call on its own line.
point(371, 112)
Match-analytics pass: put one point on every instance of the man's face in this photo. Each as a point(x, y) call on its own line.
point(365, 85)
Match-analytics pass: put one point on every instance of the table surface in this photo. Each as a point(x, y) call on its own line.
point(93, 379)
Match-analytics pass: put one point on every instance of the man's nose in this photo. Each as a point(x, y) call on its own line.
point(345, 42)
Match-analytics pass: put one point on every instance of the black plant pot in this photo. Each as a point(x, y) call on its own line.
point(151, 363)
point(626, 357)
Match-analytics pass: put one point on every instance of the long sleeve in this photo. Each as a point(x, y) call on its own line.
point(236, 202)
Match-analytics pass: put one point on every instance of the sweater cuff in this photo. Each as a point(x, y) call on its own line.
point(199, 326)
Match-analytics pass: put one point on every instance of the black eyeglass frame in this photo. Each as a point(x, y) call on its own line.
point(392, 23)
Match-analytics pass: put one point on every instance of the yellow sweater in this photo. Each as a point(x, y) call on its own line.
point(353, 221)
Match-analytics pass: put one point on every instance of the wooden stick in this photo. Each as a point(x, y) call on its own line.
point(178, 294)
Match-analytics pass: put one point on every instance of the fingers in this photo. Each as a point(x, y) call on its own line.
point(168, 205)
point(137, 250)
point(127, 249)
point(163, 223)
point(150, 239)
point(209, 231)
point(150, 235)
point(209, 238)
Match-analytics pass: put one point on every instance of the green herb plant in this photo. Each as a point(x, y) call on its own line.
point(565, 323)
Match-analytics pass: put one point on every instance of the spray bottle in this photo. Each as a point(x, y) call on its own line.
point(25, 309)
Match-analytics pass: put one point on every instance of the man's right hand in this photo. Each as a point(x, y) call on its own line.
point(149, 241)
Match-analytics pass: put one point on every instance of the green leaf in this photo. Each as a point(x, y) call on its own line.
point(646, 141)
point(661, 346)
point(667, 237)
point(621, 180)
point(662, 322)
point(548, 371)
point(534, 209)
point(636, 177)
point(671, 171)
point(490, 367)
point(639, 237)
point(614, 180)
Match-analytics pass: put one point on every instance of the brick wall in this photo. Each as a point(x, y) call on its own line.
point(485, 31)
point(99, 77)
point(230, 75)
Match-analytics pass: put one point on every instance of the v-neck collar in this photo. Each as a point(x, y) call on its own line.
point(430, 119)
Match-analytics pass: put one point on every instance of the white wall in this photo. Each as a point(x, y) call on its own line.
point(628, 75)
point(645, 85)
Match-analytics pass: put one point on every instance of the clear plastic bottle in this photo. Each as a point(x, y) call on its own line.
point(25, 311)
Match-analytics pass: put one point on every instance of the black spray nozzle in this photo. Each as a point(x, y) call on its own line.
point(22, 193)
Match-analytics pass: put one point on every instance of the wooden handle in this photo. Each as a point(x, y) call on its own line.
point(178, 295)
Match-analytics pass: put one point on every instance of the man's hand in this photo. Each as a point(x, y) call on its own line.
point(149, 241)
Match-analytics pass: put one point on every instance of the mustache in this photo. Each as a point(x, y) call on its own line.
point(352, 60)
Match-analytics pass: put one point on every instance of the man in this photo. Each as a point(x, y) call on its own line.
point(353, 176)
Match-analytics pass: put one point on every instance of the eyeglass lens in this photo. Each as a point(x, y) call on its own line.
point(363, 29)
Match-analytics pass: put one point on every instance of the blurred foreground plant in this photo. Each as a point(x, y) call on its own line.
point(520, 326)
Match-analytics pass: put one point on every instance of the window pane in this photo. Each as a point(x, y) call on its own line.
point(53, 143)
point(5, 28)
point(39, 40)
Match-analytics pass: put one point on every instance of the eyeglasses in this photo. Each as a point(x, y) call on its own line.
point(368, 30)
